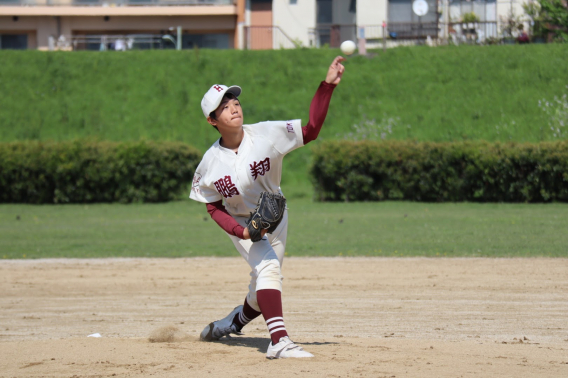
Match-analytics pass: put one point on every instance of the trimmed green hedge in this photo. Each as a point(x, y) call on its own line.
point(435, 172)
point(87, 171)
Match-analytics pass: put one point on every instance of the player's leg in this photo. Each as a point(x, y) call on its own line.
point(250, 309)
point(269, 295)
point(266, 271)
point(232, 323)
point(242, 314)
point(247, 312)
point(266, 260)
point(219, 328)
point(265, 274)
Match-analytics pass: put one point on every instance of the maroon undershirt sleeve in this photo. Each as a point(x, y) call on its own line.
point(220, 215)
point(318, 111)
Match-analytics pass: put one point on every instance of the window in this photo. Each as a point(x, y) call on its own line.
point(207, 41)
point(484, 9)
point(401, 11)
point(14, 41)
point(325, 13)
point(353, 6)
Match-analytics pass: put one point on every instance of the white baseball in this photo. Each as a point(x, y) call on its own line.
point(348, 47)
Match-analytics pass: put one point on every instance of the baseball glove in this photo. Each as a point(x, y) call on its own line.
point(267, 215)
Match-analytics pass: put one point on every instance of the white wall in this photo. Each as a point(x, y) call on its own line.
point(371, 14)
point(485, 11)
point(504, 9)
point(295, 19)
point(505, 6)
point(341, 14)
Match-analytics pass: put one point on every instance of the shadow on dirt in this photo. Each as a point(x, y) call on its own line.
point(261, 343)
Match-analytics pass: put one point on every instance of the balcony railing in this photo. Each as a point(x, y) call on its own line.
point(114, 42)
point(123, 42)
point(412, 30)
point(110, 3)
point(476, 32)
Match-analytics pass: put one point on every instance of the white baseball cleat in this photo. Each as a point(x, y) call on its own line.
point(219, 328)
point(286, 349)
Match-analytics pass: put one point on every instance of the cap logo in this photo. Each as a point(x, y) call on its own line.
point(218, 88)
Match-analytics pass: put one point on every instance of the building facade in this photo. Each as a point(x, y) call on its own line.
point(316, 23)
point(240, 24)
point(99, 24)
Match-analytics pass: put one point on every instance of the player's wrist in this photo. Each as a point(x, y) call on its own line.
point(246, 234)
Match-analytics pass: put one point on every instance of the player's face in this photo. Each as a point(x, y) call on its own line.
point(229, 114)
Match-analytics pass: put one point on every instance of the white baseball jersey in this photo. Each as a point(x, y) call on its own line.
point(238, 179)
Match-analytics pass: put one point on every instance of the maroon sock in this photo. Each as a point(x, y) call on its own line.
point(270, 303)
point(245, 316)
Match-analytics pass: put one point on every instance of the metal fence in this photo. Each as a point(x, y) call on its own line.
point(412, 30)
point(372, 31)
point(267, 37)
point(113, 2)
point(110, 42)
point(477, 32)
point(331, 35)
point(405, 33)
point(138, 41)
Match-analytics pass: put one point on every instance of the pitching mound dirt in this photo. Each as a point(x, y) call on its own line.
point(364, 317)
point(168, 334)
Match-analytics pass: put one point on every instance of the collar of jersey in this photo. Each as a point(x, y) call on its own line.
point(225, 150)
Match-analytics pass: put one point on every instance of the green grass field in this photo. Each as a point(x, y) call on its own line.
point(184, 229)
point(443, 94)
point(424, 94)
point(428, 94)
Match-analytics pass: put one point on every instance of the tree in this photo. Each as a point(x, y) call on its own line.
point(554, 15)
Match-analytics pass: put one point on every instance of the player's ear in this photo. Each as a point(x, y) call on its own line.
point(212, 122)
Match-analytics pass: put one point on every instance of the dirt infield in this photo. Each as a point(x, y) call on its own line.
point(361, 317)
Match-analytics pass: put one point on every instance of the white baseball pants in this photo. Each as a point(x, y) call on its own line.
point(265, 259)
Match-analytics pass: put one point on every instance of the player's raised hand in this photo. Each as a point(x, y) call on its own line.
point(335, 71)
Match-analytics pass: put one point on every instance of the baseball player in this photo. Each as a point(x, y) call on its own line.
point(244, 162)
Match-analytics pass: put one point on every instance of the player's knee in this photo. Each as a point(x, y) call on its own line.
point(252, 301)
point(268, 275)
